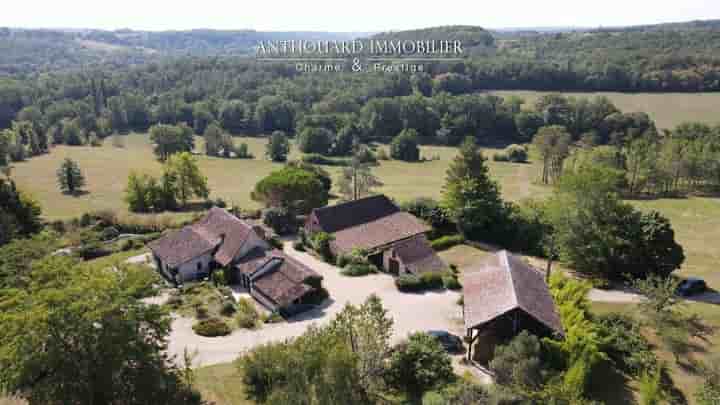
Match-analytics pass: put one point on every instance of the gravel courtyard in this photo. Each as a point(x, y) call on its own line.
point(411, 313)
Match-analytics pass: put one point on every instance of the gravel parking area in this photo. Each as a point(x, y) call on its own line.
point(411, 313)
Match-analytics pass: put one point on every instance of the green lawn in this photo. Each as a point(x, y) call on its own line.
point(222, 384)
point(106, 170)
point(667, 109)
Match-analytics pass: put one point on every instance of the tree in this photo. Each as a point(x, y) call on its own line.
point(189, 180)
point(553, 144)
point(275, 114)
point(70, 178)
point(315, 140)
point(518, 364)
point(599, 234)
point(19, 214)
point(470, 197)
point(58, 344)
point(528, 123)
point(234, 116)
point(345, 140)
point(357, 180)
point(341, 363)
point(709, 392)
point(170, 139)
point(71, 132)
point(213, 139)
point(278, 147)
point(405, 147)
point(419, 365)
point(294, 189)
point(138, 193)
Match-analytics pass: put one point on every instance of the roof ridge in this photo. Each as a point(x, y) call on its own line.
point(506, 263)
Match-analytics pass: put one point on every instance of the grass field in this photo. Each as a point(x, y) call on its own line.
point(106, 170)
point(667, 109)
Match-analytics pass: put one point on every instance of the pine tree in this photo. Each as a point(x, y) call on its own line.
point(470, 196)
point(70, 178)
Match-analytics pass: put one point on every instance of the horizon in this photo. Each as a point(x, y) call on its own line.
point(325, 16)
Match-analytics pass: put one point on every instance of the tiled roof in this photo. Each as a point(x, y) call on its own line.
point(367, 223)
point(503, 283)
point(218, 227)
point(417, 254)
point(284, 282)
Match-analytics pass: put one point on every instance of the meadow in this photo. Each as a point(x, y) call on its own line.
point(667, 109)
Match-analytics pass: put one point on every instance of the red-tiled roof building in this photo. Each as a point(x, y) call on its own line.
point(395, 239)
point(503, 295)
point(221, 240)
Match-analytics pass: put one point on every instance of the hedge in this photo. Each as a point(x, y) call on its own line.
point(446, 242)
point(211, 327)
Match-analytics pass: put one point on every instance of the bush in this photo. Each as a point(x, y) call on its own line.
point(280, 220)
point(201, 312)
point(446, 242)
point(516, 153)
point(405, 146)
point(500, 157)
point(273, 318)
point(299, 246)
point(247, 316)
point(242, 152)
point(321, 245)
point(450, 281)
point(174, 301)
point(317, 159)
point(211, 327)
point(409, 283)
point(109, 233)
point(228, 308)
point(316, 297)
point(358, 269)
point(414, 283)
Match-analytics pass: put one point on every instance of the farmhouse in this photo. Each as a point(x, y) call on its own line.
point(221, 240)
point(502, 296)
point(394, 239)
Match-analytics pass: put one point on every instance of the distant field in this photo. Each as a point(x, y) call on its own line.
point(106, 170)
point(667, 109)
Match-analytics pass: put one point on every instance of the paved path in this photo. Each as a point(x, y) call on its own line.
point(411, 312)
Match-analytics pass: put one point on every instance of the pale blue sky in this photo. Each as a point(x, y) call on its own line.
point(336, 15)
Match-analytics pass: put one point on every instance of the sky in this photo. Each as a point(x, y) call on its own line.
point(346, 16)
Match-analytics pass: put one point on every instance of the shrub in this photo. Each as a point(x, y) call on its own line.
point(228, 308)
point(109, 233)
point(282, 221)
point(446, 242)
point(409, 283)
point(201, 312)
point(358, 269)
point(219, 277)
point(247, 316)
point(405, 147)
point(321, 244)
point(414, 283)
point(450, 281)
point(299, 246)
point(174, 301)
point(516, 153)
point(242, 152)
point(500, 157)
point(211, 327)
point(273, 318)
point(316, 297)
point(317, 159)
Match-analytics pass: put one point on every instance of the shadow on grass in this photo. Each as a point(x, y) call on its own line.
point(611, 386)
point(76, 193)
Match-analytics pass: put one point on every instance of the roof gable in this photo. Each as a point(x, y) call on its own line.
point(218, 229)
point(502, 283)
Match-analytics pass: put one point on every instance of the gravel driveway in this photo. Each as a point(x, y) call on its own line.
point(411, 313)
